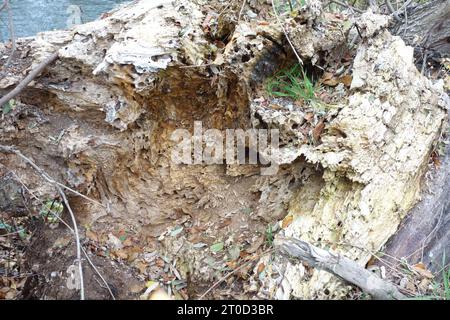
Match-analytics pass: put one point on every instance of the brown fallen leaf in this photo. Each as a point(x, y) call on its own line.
point(261, 268)
point(287, 221)
point(334, 81)
point(309, 116)
point(121, 254)
point(92, 235)
point(231, 264)
point(346, 80)
point(160, 263)
point(128, 242)
point(326, 76)
point(422, 270)
point(141, 266)
point(317, 131)
point(255, 245)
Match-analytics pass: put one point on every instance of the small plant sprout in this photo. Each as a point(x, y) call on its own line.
point(51, 210)
point(293, 83)
point(269, 235)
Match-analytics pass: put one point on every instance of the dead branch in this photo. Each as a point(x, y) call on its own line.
point(70, 229)
point(393, 12)
point(49, 179)
point(340, 266)
point(285, 33)
point(31, 76)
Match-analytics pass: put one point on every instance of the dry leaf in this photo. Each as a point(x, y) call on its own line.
point(92, 235)
point(346, 80)
point(261, 268)
point(255, 245)
point(231, 264)
point(309, 116)
point(160, 263)
point(121, 254)
point(421, 269)
point(287, 221)
point(317, 131)
point(141, 266)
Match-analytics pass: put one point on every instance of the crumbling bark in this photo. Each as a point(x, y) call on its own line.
point(424, 235)
point(374, 156)
point(426, 27)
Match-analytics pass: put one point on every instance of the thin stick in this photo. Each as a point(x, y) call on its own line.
point(31, 76)
point(285, 33)
point(80, 194)
point(77, 239)
point(290, 5)
point(70, 229)
point(75, 227)
point(393, 12)
point(241, 11)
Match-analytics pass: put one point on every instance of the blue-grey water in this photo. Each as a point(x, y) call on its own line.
point(33, 16)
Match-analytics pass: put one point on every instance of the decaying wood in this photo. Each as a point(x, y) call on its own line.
point(30, 77)
point(49, 179)
point(374, 155)
point(426, 27)
point(340, 266)
point(424, 235)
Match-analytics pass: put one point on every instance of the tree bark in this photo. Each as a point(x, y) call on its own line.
point(426, 27)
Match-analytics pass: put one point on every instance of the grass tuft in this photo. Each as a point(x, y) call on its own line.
point(293, 83)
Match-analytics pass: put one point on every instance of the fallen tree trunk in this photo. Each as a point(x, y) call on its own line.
point(426, 27)
point(424, 235)
point(339, 266)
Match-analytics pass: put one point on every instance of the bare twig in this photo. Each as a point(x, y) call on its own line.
point(290, 5)
point(393, 12)
point(340, 266)
point(77, 239)
point(285, 33)
point(31, 76)
point(12, 233)
point(49, 179)
point(242, 10)
point(71, 230)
